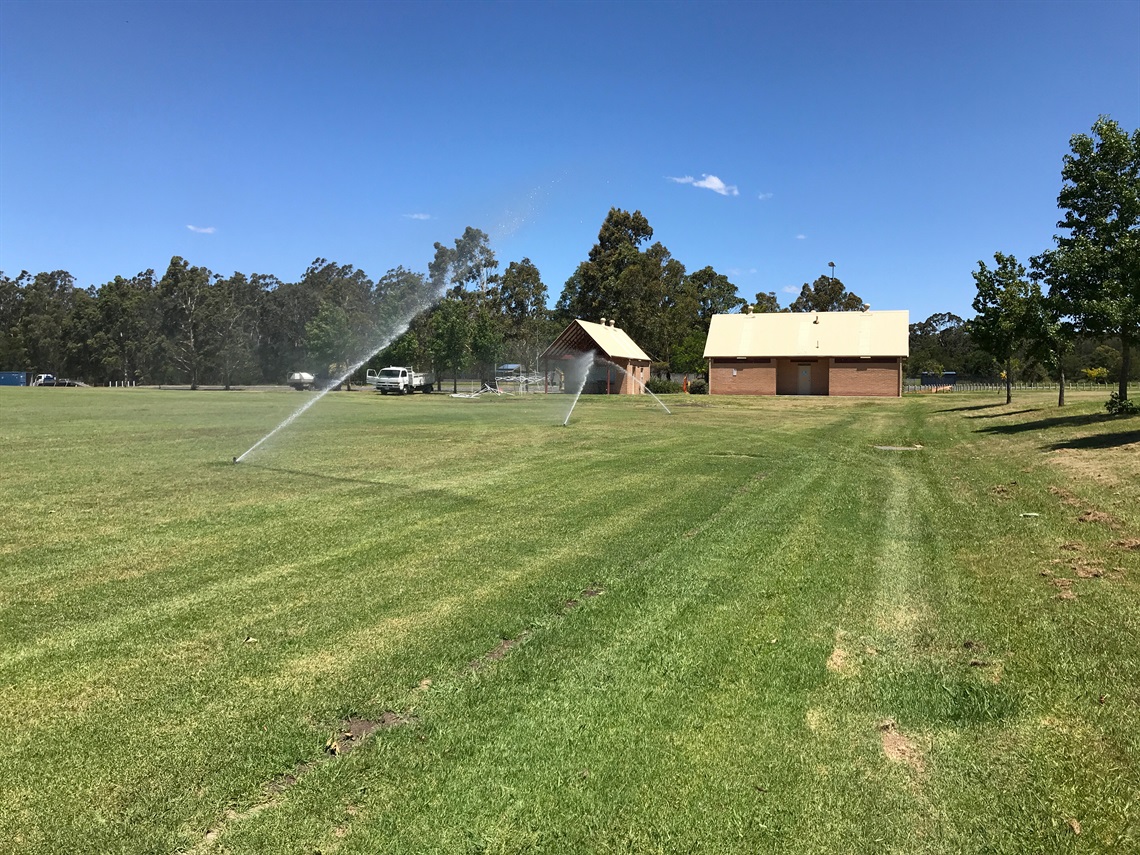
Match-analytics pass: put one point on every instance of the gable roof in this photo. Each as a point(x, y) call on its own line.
point(810, 334)
point(582, 336)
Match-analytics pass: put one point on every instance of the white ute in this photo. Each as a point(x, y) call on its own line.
point(399, 380)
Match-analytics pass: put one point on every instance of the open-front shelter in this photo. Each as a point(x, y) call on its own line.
point(808, 353)
point(619, 366)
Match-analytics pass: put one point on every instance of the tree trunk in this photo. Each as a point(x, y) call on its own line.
point(1008, 381)
point(1060, 385)
point(1125, 366)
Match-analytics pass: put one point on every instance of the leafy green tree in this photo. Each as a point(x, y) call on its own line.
point(329, 339)
point(826, 294)
point(766, 302)
point(346, 326)
point(523, 297)
point(450, 338)
point(47, 302)
point(184, 294)
point(469, 266)
point(12, 350)
point(1002, 304)
point(597, 283)
point(1098, 259)
point(127, 339)
point(234, 316)
point(715, 294)
point(486, 342)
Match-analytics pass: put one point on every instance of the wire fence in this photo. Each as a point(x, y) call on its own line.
point(999, 385)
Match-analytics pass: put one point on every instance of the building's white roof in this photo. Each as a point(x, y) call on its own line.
point(580, 336)
point(810, 334)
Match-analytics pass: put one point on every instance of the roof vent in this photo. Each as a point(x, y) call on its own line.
point(603, 322)
point(866, 307)
point(612, 322)
point(748, 310)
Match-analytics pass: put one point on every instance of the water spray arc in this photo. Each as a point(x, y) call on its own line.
point(585, 363)
point(404, 321)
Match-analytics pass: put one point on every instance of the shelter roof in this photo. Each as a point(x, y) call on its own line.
point(583, 336)
point(810, 334)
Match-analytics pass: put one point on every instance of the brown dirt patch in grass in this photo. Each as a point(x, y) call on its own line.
point(498, 652)
point(1127, 543)
point(899, 748)
point(1065, 496)
point(354, 730)
point(1001, 491)
point(592, 591)
point(1094, 516)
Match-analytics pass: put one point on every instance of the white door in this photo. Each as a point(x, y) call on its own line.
point(805, 380)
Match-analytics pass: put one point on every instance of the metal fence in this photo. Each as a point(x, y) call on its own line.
point(999, 386)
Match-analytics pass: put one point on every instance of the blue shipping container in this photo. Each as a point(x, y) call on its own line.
point(13, 378)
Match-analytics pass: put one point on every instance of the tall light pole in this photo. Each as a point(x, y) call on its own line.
point(831, 264)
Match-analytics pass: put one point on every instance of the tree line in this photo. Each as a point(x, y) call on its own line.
point(1077, 309)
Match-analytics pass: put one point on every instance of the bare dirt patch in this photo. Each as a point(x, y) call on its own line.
point(1003, 491)
point(1094, 516)
point(354, 730)
point(898, 747)
point(592, 591)
point(1127, 543)
point(499, 651)
point(1065, 496)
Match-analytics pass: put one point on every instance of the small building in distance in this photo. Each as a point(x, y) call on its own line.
point(618, 366)
point(808, 353)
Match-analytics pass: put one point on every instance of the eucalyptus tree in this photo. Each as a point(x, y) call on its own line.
point(184, 294)
point(129, 320)
point(523, 295)
point(12, 351)
point(766, 302)
point(826, 294)
point(1097, 260)
point(716, 295)
point(234, 320)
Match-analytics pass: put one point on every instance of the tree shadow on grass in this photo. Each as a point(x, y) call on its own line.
point(1002, 415)
point(967, 409)
point(1098, 441)
point(1048, 424)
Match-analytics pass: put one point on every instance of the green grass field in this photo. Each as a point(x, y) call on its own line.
point(414, 625)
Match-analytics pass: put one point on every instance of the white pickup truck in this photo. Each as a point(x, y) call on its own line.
point(399, 380)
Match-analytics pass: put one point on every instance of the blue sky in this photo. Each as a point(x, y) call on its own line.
point(903, 141)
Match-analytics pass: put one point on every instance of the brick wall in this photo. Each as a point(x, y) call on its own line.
point(871, 377)
point(742, 377)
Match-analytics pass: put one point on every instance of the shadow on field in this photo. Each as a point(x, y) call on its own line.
point(1048, 424)
point(1001, 415)
point(318, 475)
point(968, 409)
point(1102, 440)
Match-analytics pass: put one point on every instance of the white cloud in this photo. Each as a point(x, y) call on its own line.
point(417, 216)
point(791, 289)
point(801, 237)
point(764, 196)
point(202, 230)
point(708, 182)
point(740, 271)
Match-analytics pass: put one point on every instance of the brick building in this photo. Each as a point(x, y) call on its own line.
point(808, 353)
point(617, 367)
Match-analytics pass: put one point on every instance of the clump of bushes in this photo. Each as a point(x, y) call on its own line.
point(661, 386)
point(698, 387)
point(1117, 407)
